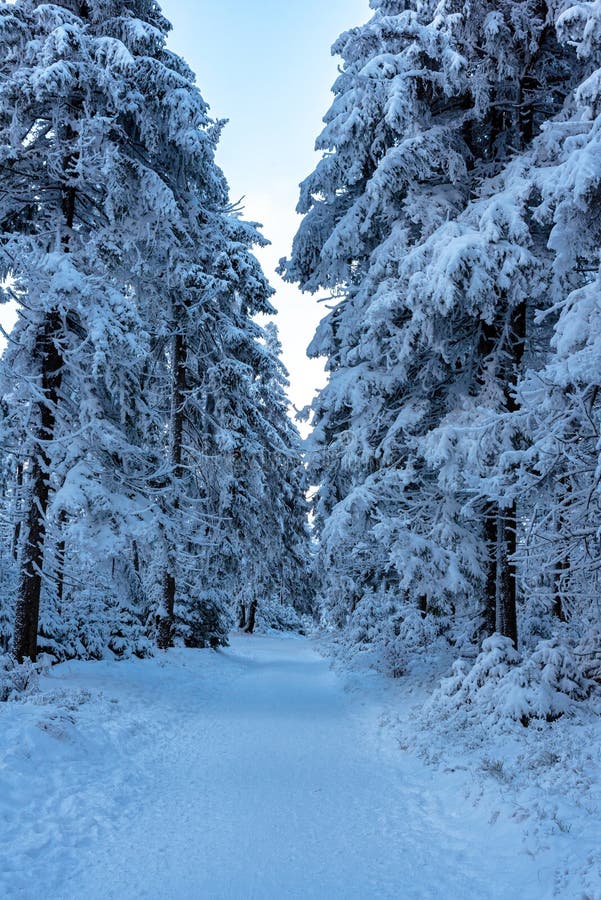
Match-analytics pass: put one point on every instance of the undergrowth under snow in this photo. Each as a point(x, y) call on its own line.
point(526, 734)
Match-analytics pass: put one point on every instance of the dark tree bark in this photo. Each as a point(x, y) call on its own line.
point(135, 558)
point(490, 337)
point(508, 517)
point(49, 353)
point(500, 610)
point(165, 627)
point(30, 582)
point(563, 501)
point(563, 566)
point(506, 608)
point(18, 503)
point(242, 621)
point(178, 389)
point(252, 613)
point(60, 558)
point(489, 612)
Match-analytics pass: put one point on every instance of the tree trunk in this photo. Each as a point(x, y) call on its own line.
point(18, 507)
point(563, 502)
point(242, 622)
point(251, 617)
point(178, 388)
point(489, 612)
point(506, 606)
point(60, 558)
point(135, 558)
point(48, 351)
point(165, 627)
point(27, 610)
point(491, 335)
point(501, 524)
point(563, 566)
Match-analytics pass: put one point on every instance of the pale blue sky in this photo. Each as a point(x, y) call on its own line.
point(266, 66)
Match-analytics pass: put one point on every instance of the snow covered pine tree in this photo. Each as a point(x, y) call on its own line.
point(107, 162)
point(429, 334)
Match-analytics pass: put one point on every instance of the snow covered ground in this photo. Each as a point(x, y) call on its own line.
point(258, 772)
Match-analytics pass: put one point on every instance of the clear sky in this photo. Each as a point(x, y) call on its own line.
point(266, 66)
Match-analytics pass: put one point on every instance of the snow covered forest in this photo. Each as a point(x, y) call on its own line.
point(438, 534)
point(151, 476)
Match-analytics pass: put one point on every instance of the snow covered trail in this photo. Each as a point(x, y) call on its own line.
point(248, 773)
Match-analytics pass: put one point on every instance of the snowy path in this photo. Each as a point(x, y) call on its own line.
point(245, 774)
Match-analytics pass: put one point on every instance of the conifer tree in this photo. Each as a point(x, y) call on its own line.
point(559, 466)
point(109, 180)
point(431, 106)
point(81, 204)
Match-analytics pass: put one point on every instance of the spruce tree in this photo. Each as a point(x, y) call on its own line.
point(136, 290)
point(431, 107)
point(559, 466)
point(86, 216)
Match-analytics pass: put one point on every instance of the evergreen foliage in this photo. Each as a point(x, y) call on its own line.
point(148, 458)
point(452, 221)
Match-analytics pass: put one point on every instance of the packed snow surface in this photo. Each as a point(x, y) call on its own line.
point(252, 772)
